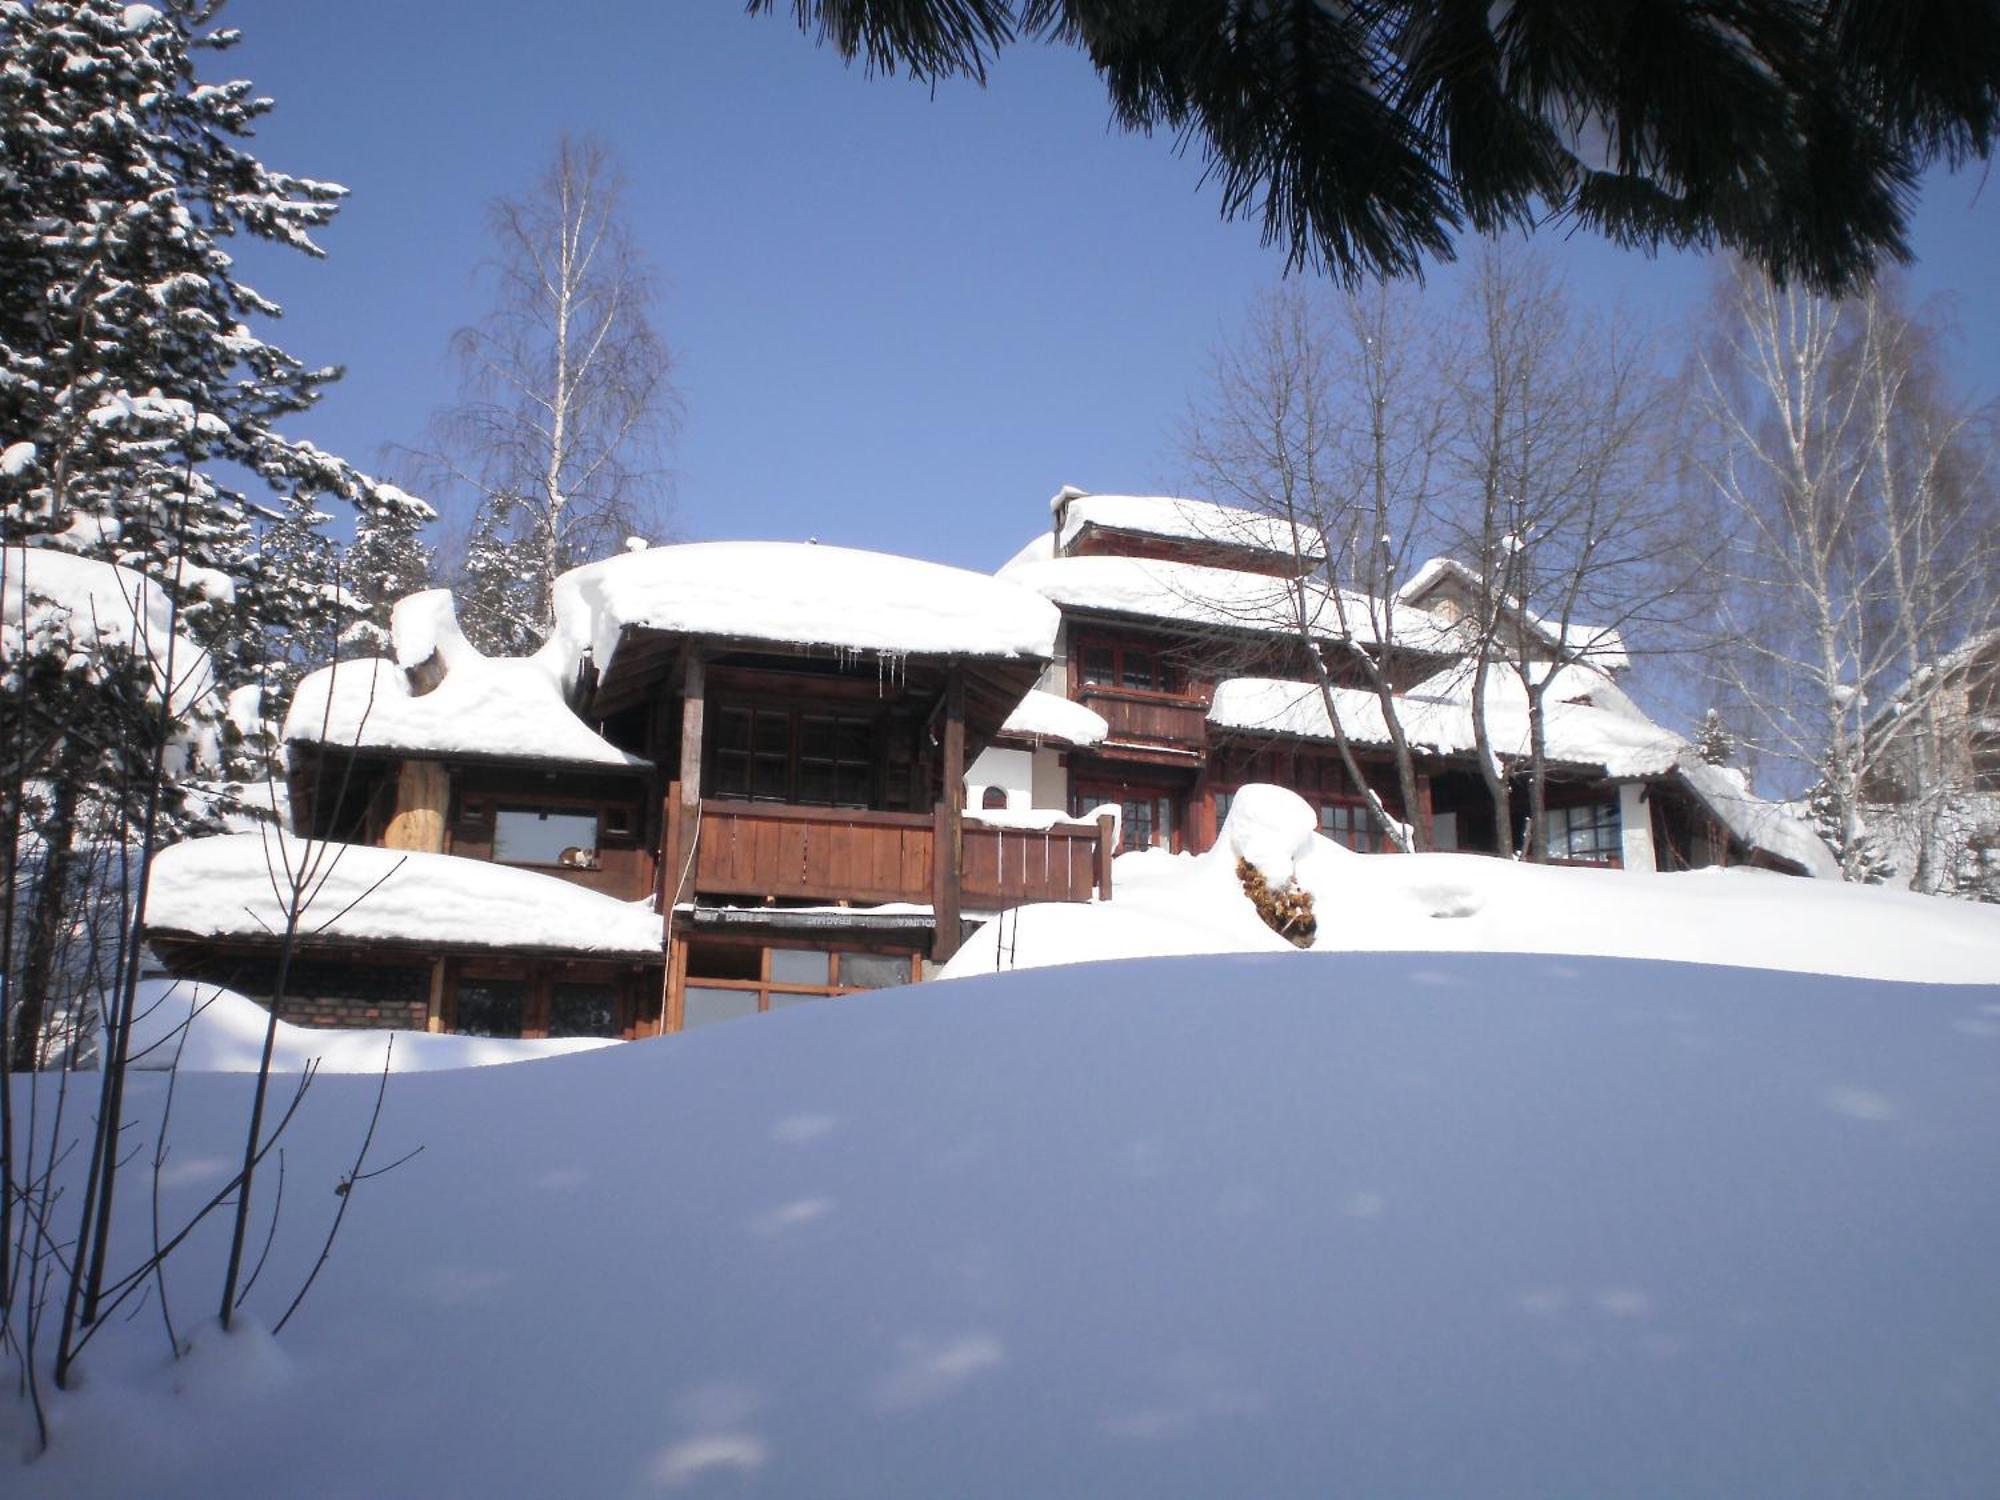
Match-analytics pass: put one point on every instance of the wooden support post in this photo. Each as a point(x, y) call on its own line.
point(423, 801)
point(1106, 847)
point(434, 1013)
point(948, 852)
point(1427, 812)
point(693, 694)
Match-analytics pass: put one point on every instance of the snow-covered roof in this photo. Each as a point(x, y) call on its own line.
point(223, 887)
point(90, 606)
point(802, 595)
point(485, 705)
point(1589, 720)
point(1601, 645)
point(1179, 519)
point(1050, 716)
point(1216, 598)
point(1770, 826)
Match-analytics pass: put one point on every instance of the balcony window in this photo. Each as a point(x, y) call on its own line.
point(791, 755)
point(1128, 665)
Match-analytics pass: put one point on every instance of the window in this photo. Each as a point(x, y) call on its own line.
point(1145, 820)
point(491, 1007)
point(1588, 834)
point(583, 1010)
point(1130, 666)
point(993, 799)
point(539, 836)
point(727, 980)
point(703, 1005)
point(1223, 802)
point(790, 755)
point(1351, 825)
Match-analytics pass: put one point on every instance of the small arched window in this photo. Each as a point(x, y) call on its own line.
point(993, 798)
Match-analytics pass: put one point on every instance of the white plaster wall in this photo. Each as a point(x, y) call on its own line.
point(1011, 770)
point(1050, 780)
point(1635, 827)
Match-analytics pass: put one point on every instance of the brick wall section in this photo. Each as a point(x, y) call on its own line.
point(367, 1014)
point(328, 992)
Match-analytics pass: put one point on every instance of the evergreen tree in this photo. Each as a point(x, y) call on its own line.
point(499, 604)
point(1713, 741)
point(128, 360)
point(389, 560)
point(1837, 821)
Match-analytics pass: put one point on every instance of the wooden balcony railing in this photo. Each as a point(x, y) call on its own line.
point(1150, 719)
point(1007, 866)
point(754, 850)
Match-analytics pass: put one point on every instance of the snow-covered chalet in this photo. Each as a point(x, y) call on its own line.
point(741, 776)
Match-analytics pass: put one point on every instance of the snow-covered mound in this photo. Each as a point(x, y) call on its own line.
point(202, 1028)
point(1285, 1225)
point(225, 886)
point(797, 594)
point(1177, 904)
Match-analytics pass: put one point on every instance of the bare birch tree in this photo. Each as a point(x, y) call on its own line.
point(1327, 414)
point(565, 398)
point(1558, 505)
point(1862, 544)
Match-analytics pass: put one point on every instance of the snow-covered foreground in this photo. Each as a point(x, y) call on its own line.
point(1180, 904)
point(1279, 1224)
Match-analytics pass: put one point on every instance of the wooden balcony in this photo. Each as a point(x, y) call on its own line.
point(755, 850)
point(1150, 718)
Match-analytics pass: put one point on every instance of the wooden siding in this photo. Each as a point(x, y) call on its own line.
point(1005, 866)
point(759, 849)
point(1149, 718)
point(756, 850)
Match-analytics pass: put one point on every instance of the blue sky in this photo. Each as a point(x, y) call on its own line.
point(900, 319)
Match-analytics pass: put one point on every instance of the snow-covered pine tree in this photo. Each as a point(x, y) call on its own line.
point(499, 600)
point(1713, 741)
point(1861, 858)
point(128, 360)
point(387, 561)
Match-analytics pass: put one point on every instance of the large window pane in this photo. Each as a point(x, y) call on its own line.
point(538, 836)
point(703, 1006)
point(782, 1001)
point(490, 1007)
point(874, 971)
point(1099, 665)
point(583, 1010)
point(798, 966)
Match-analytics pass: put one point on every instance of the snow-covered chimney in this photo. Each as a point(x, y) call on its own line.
point(1059, 512)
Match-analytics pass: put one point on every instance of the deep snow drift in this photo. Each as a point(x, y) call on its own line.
point(1180, 904)
point(1287, 1224)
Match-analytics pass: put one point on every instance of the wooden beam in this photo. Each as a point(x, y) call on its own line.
point(694, 687)
point(949, 852)
point(1107, 846)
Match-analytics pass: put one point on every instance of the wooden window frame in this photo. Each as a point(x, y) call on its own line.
point(795, 711)
point(1159, 652)
point(764, 986)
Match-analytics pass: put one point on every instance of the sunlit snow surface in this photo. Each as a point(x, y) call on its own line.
point(1259, 1225)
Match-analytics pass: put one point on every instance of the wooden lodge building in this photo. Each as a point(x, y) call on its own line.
point(742, 776)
